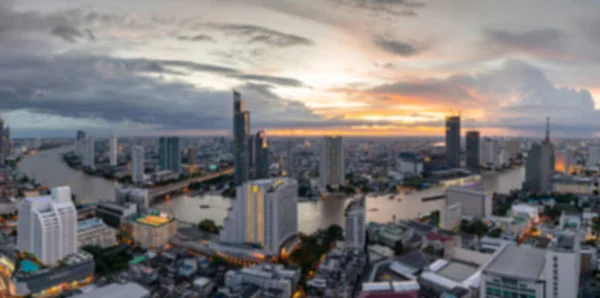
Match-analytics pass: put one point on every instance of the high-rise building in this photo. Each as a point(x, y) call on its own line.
point(241, 129)
point(492, 154)
point(474, 202)
point(170, 154)
point(472, 148)
point(593, 155)
point(289, 160)
point(355, 230)
point(47, 226)
point(79, 140)
point(114, 149)
point(138, 196)
point(264, 212)
point(2, 157)
point(137, 167)
point(191, 156)
point(453, 141)
point(563, 262)
point(539, 166)
point(262, 155)
point(252, 150)
point(568, 160)
point(6, 144)
point(89, 152)
point(332, 162)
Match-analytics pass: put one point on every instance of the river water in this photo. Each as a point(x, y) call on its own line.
point(48, 168)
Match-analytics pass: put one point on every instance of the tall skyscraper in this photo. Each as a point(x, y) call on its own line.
point(170, 154)
point(568, 160)
point(472, 146)
point(289, 160)
point(137, 167)
point(355, 229)
point(47, 226)
point(264, 212)
point(6, 144)
point(113, 150)
point(79, 140)
point(191, 156)
point(2, 157)
point(539, 166)
point(252, 150)
point(593, 155)
point(332, 162)
point(453, 141)
point(241, 128)
point(262, 155)
point(89, 152)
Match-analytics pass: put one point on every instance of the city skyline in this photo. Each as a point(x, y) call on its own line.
point(359, 68)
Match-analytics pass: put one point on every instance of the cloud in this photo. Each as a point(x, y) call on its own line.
point(547, 43)
point(392, 7)
point(396, 47)
point(198, 37)
point(263, 35)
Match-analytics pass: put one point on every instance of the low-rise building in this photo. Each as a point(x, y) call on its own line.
point(476, 203)
point(94, 231)
point(409, 163)
point(398, 289)
point(450, 216)
point(138, 196)
point(164, 176)
point(444, 275)
point(273, 277)
point(151, 231)
point(113, 214)
point(129, 290)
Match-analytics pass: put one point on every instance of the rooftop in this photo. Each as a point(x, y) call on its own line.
point(565, 242)
point(154, 220)
point(457, 271)
point(129, 290)
point(89, 223)
point(518, 261)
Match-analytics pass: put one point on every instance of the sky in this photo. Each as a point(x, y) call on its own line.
point(305, 68)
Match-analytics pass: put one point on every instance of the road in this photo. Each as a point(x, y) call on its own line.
point(163, 190)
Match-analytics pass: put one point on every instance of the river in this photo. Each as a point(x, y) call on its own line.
point(48, 168)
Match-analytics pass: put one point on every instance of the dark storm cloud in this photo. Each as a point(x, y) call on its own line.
point(263, 35)
point(396, 47)
point(199, 37)
point(67, 33)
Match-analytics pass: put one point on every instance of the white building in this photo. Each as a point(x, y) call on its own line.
point(47, 226)
point(332, 162)
point(129, 290)
point(493, 154)
point(137, 167)
point(563, 261)
point(513, 148)
point(474, 202)
point(593, 156)
point(89, 152)
point(266, 277)
point(515, 271)
point(355, 229)
point(409, 163)
point(529, 211)
point(265, 212)
point(450, 216)
point(113, 150)
point(94, 231)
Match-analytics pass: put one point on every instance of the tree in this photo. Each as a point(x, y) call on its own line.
point(208, 225)
point(398, 248)
point(495, 233)
point(333, 233)
point(479, 228)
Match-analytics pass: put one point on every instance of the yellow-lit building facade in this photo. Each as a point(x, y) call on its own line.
point(151, 231)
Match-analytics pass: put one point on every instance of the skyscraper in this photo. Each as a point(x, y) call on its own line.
point(252, 150)
point(472, 147)
point(355, 231)
point(137, 167)
point(453, 141)
point(539, 166)
point(170, 154)
point(6, 144)
point(289, 160)
point(262, 155)
point(47, 226)
point(113, 150)
point(89, 152)
point(2, 157)
point(264, 212)
point(191, 156)
point(332, 162)
point(241, 128)
point(79, 140)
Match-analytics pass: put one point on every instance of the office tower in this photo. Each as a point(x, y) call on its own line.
point(332, 162)
point(355, 229)
point(289, 160)
point(472, 146)
point(89, 152)
point(114, 143)
point(453, 141)
point(513, 148)
point(593, 155)
point(2, 157)
point(265, 212)
point(79, 140)
point(563, 261)
point(241, 128)
point(47, 226)
point(252, 150)
point(262, 155)
point(539, 167)
point(137, 167)
point(170, 154)
point(568, 160)
point(6, 144)
point(191, 156)
point(492, 154)
point(474, 202)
